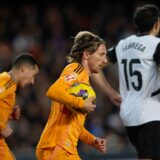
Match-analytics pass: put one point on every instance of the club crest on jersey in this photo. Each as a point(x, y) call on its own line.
point(71, 77)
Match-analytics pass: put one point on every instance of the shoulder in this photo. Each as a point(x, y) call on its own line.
point(124, 40)
point(6, 81)
point(154, 37)
point(74, 72)
point(73, 67)
point(4, 78)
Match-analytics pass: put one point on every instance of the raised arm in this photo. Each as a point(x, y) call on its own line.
point(100, 81)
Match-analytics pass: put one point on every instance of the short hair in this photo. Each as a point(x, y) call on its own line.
point(145, 17)
point(24, 58)
point(84, 41)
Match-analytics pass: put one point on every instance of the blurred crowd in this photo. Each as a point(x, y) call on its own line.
point(46, 30)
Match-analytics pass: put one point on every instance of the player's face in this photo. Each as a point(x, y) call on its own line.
point(97, 60)
point(28, 75)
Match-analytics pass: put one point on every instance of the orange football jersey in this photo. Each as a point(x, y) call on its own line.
point(7, 97)
point(65, 127)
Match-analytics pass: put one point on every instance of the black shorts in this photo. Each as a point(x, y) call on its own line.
point(146, 139)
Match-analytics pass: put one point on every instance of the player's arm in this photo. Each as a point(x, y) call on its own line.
point(6, 132)
point(156, 55)
point(90, 139)
point(100, 80)
point(102, 83)
point(58, 92)
point(16, 113)
point(7, 87)
point(3, 119)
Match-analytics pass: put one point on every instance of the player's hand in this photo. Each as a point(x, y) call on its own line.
point(15, 115)
point(100, 144)
point(116, 99)
point(89, 106)
point(6, 132)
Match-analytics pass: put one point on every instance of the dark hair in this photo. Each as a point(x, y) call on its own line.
point(84, 41)
point(24, 58)
point(145, 17)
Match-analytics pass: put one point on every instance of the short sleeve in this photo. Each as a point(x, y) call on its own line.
point(111, 54)
point(156, 55)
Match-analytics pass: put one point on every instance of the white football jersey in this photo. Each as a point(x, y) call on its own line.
point(139, 78)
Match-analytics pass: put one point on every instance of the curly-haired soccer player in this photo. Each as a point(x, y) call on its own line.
point(65, 127)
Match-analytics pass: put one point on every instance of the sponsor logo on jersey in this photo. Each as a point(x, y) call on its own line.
point(71, 77)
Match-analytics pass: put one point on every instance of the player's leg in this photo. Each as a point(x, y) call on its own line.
point(147, 140)
point(132, 133)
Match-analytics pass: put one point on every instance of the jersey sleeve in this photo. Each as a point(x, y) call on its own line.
point(86, 137)
point(7, 87)
point(156, 55)
point(58, 91)
point(3, 118)
point(111, 54)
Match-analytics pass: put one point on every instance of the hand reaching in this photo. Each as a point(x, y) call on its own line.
point(89, 105)
point(15, 115)
point(116, 99)
point(6, 132)
point(100, 144)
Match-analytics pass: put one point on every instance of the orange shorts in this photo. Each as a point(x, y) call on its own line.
point(5, 153)
point(56, 153)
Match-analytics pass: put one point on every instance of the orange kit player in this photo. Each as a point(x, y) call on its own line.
point(23, 73)
point(64, 127)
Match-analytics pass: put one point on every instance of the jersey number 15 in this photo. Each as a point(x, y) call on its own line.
point(132, 73)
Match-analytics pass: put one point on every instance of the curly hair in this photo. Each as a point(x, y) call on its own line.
point(84, 41)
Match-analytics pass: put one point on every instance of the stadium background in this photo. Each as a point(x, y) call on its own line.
point(45, 28)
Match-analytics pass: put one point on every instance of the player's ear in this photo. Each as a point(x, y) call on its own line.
point(156, 25)
point(23, 68)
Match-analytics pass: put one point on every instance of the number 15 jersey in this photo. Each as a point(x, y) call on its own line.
point(138, 60)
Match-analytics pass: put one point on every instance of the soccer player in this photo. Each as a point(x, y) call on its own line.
point(64, 127)
point(138, 58)
point(22, 74)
